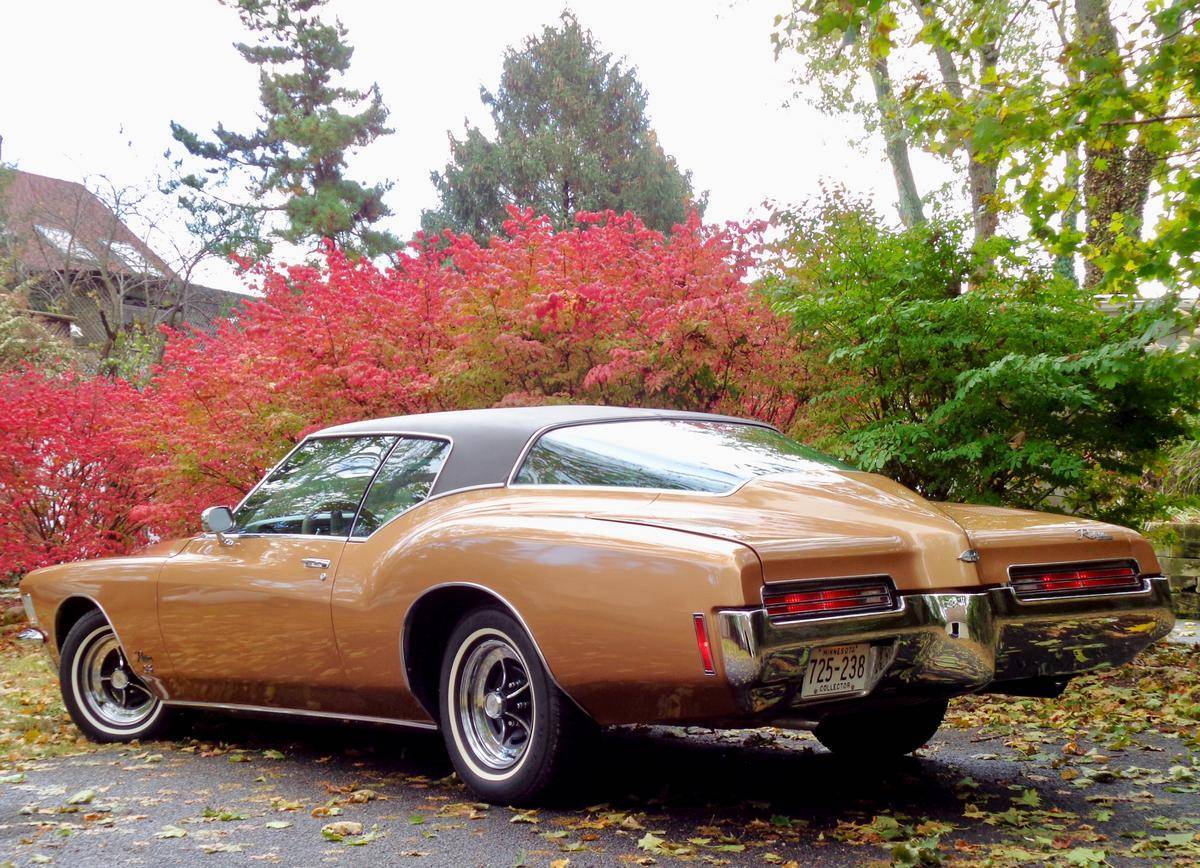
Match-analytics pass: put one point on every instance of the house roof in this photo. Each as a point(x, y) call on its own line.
point(488, 443)
point(57, 225)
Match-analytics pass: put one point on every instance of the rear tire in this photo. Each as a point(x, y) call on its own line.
point(103, 695)
point(509, 730)
point(879, 735)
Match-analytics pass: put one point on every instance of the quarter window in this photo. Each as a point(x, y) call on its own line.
point(678, 454)
point(317, 490)
point(402, 482)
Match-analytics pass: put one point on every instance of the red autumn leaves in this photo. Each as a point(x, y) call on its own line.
point(610, 312)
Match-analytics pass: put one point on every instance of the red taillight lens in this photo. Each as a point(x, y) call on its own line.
point(1060, 580)
point(817, 599)
point(706, 656)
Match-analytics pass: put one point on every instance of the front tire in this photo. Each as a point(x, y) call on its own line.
point(508, 729)
point(103, 695)
point(880, 736)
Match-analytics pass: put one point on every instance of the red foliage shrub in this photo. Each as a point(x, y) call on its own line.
point(610, 312)
point(70, 485)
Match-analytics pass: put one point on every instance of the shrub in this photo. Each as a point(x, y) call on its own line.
point(610, 313)
point(70, 482)
point(1021, 391)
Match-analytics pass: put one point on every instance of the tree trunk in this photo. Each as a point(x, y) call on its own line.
point(1064, 263)
point(981, 171)
point(911, 210)
point(1116, 172)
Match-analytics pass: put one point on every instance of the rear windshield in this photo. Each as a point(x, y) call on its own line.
point(676, 454)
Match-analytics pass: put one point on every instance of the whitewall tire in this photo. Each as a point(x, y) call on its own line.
point(102, 693)
point(509, 730)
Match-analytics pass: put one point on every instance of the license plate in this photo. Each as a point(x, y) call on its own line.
point(837, 669)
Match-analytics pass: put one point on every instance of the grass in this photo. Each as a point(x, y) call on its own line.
point(33, 722)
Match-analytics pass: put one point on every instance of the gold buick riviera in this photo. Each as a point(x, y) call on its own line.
point(517, 577)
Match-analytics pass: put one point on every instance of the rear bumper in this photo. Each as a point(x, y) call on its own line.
point(941, 644)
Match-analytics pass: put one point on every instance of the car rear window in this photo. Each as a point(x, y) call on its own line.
point(675, 454)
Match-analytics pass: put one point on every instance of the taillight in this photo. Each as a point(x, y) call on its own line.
point(706, 656)
point(1060, 580)
point(826, 598)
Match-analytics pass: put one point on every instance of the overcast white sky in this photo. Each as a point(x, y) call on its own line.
point(89, 89)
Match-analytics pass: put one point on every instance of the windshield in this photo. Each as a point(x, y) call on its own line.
point(678, 454)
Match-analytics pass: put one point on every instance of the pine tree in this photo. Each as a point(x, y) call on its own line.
point(285, 180)
point(571, 135)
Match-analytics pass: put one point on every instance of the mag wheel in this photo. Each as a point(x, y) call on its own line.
point(103, 695)
point(508, 729)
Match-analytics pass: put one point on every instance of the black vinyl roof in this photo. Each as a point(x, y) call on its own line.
point(488, 443)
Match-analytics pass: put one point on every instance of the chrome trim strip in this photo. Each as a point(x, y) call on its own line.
point(30, 610)
point(237, 536)
point(299, 712)
point(537, 435)
point(526, 486)
point(1142, 591)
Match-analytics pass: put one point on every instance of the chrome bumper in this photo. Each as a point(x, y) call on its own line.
point(942, 644)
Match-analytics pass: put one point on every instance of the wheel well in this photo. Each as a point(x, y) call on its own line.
point(68, 616)
point(427, 630)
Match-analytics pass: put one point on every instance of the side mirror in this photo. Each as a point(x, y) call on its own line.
point(217, 519)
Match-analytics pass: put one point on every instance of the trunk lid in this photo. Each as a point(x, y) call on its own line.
point(831, 523)
point(825, 523)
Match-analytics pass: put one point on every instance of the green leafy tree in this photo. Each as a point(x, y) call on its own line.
point(286, 180)
point(1062, 112)
point(1023, 391)
point(571, 135)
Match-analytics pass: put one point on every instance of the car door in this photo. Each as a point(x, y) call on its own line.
point(245, 616)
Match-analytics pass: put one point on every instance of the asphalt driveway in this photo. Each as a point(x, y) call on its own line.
point(1109, 773)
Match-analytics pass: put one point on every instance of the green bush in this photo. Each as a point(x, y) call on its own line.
point(1020, 390)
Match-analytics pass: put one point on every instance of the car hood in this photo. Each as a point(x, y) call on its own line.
point(827, 523)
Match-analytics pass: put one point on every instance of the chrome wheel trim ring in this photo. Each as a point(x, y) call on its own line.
point(113, 709)
point(493, 706)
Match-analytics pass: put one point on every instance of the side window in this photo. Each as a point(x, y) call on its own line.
point(403, 481)
point(317, 490)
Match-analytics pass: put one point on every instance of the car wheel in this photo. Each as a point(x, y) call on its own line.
point(102, 694)
point(873, 735)
point(509, 730)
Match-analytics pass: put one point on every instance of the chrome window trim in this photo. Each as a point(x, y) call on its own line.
point(397, 434)
point(321, 536)
point(558, 486)
point(538, 434)
point(300, 712)
point(449, 441)
point(363, 539)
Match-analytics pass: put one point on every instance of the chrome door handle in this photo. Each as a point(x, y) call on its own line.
point(316, 563)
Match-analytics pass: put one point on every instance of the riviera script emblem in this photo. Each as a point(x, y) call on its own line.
point(1088, 533)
